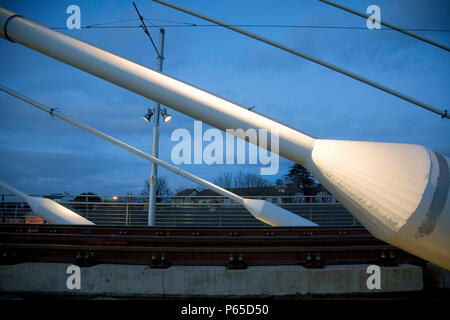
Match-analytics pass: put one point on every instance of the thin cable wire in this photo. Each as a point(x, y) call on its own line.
point(366, 16)
point(193, 25)
point(170, 21)
point(144, 27)
point(105, 23)
point(303, 55)
point(152, 24)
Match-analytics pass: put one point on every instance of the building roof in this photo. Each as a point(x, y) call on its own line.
point(269, 191)
point(255, 191)
point(185, 192)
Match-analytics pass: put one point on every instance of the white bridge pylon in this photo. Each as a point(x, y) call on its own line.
point(47, 209)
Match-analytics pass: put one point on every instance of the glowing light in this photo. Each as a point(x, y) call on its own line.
point(166, 117)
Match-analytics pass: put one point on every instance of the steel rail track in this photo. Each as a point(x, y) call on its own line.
point(164, 247)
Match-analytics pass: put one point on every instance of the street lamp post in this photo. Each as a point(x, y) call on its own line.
point(155, 143)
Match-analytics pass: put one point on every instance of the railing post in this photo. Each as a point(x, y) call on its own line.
point(126, 212)
point(310, 211)
point(3, 208)
point(87, 206)
point(174, 218)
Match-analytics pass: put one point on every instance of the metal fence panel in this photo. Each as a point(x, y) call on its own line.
point(133, 211)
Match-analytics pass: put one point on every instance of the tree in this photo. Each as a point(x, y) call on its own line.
point(241, 180)
point(86, 197)
point(182, 188)
point(225, 180)
point(302, 179)
point(279, 182)
point(250, 180)
point(162, 187)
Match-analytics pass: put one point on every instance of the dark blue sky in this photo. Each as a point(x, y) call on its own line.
point(41, 155)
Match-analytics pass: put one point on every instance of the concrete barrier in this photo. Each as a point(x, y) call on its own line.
point(140, 280)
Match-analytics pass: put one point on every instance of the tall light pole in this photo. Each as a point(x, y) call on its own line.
point(156, 112)
point(155, 143)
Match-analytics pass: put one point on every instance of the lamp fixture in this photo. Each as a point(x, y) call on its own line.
point(148, 116)
point(166, 117)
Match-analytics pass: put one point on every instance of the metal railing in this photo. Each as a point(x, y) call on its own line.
point(172, 211)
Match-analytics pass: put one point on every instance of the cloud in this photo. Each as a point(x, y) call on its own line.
point(46, 172)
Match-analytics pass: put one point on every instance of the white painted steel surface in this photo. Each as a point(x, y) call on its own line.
point(267, 212)
point(48, 209)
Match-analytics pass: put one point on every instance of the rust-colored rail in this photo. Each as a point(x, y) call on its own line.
point(163, 247)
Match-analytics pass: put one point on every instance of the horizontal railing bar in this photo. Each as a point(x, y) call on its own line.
point(191, 213)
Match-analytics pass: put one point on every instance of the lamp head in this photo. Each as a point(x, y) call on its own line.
point(148, 115)
point(166, 117)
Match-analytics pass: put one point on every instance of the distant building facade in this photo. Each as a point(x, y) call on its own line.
point(279, 194)
point(185, 196)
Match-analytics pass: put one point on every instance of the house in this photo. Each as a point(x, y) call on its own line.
point(278, 194)
point(208, 196)
point(185, 196)
point(58, 197)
